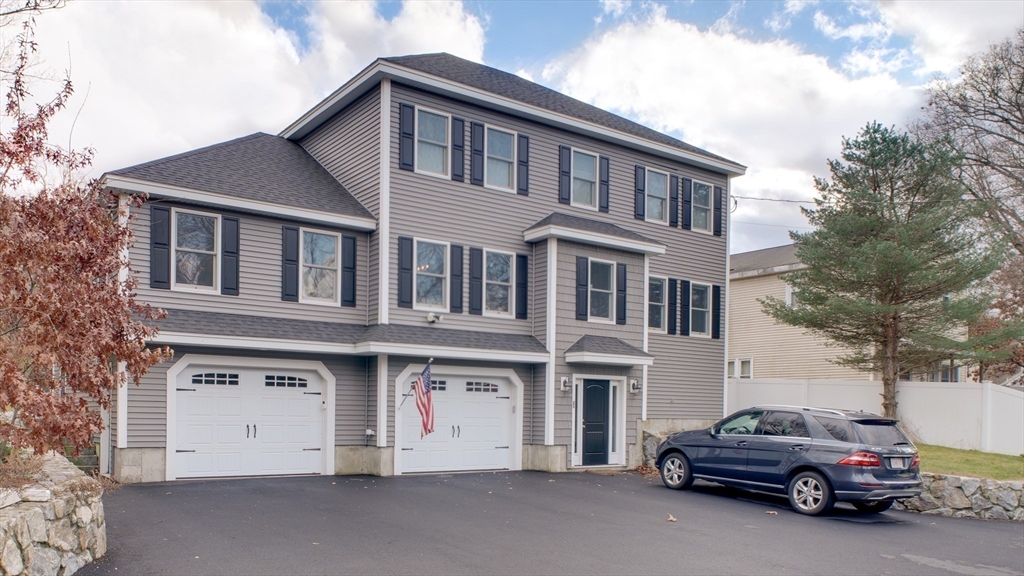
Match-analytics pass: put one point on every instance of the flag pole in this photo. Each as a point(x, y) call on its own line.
point(411, 386)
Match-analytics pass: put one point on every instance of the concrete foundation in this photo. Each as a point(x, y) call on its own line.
point(545, 458)
point(133, 465)
point(372, 460)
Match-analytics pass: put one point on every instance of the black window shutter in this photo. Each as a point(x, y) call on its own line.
point(229, 256)
point(687, 202)
point(603, 184)
point(458, 149)
point(348, 271)
point(523, 165)
point(719, 197)
point(582, 284)
point(620, 293)
point(476, 144)
point(673, 298)
point(639, 200)
point(476, 281)
point(160, 247)
point(716, 312)
point(406, 137)
point(405, 257)
point(673, 201)
point(684, 308)
point(564, 175)
point(522, 285)
point(289, 263)
point(455, 300)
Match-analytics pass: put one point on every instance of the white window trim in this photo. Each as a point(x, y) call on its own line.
point(590, 290)
point(730, 368)
point(711, 214)
point(511, 287)
point(790, 293)
point(739, 368)
point(597, 179)
point(337, 280)
point(664, 304)
point(446, 175)
point(515, 157)
point(690, 319)
point(668, 194)
point(618, 457)
point(216, 255)
point(447, 275)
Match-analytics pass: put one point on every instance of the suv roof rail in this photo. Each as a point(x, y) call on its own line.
point(804, 409)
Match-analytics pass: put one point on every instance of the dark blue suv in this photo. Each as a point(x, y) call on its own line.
point(815, 456)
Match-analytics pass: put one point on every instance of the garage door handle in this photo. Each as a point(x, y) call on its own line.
point(246, 430)
point(253, 430)
point(453, 431)
point(460, 432)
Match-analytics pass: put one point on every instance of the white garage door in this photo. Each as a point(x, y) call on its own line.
point(248, 422)
point(472, 427)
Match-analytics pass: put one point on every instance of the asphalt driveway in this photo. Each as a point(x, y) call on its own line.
point(523, 523)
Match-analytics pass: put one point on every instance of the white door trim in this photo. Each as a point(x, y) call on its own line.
point(577, 416)
point(515, 442)
point(327, 452)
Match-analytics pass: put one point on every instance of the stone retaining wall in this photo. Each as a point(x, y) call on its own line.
point(962, 497)
point(53, 526)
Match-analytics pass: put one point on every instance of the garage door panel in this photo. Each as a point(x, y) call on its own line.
point(229, 463)
point(229, 406)
point(229, 434)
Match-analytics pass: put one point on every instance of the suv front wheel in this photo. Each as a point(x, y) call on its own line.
point(809, 493)
point(675, 471)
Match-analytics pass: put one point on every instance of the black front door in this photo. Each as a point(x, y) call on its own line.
point(595, 422)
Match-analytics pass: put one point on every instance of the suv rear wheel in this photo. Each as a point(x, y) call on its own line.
point(675, 471)
point(873, 507)
point(809, 493)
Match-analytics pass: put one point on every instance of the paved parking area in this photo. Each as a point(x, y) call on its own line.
point(523, 523)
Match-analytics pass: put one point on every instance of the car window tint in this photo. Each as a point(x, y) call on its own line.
point(838, 428)
point(880, 433)
point(740, 424)
point(785, 424)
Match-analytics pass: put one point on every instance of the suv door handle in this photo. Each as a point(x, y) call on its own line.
point(741, 443)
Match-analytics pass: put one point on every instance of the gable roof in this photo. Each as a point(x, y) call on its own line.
point(766, 258)
point(587, 231)
point(606, 345)
point(261, 167)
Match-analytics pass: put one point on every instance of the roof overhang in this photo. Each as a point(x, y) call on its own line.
point(374, 73)
point(767, 271)
point(594, 238)
point(607, 359)
point(171, 192)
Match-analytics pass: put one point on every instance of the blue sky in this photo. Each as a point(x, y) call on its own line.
point(774, 85)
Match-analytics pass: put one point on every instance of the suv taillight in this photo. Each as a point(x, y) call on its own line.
point(916, 461)
point(866, 459)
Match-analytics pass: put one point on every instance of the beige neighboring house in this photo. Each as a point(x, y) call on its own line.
point(761, 348)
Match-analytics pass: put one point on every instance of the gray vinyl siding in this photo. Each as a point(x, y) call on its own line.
point(147, 402)
point(539, 292)
point(687, 378)
point(438, 209)
point(348, 146)
point(259, 275)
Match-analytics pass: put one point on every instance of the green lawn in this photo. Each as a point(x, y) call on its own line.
point(942, 460)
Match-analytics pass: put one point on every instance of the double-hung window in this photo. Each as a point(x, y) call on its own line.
point(321, 266)
point(656, 313)
point(702, 197)
point(500, 159)
point(499, 280)
point(584, 179)
point(700, 309)
point(602, 296)
point(431, 142)
point(431, 270)
point(196, 249)
point(657, 196)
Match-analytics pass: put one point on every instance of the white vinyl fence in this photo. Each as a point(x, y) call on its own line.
point(968, 415)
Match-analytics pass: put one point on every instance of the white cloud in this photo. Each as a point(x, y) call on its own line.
point(780, 20)
point(727, 24)
point(165, 77)
point(874, 61)
point(616, 8)
point(872, 30)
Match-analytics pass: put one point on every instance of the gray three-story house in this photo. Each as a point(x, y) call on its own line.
point(564, 268)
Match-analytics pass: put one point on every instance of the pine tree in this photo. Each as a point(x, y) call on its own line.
point(895, 266)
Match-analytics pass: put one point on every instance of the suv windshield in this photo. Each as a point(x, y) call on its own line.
point(880, 433)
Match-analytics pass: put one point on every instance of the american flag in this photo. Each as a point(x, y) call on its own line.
point(424, 401)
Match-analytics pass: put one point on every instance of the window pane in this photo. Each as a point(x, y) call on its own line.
point(433, 127)
point(744, 368)
point(319, 249)
point(432, 158)
point(657, 184)
point(701, 195)
point(655, 208)
point(497, 297)
point(699, 298)
point(654, 315)
point(600, 276)
point(880, 433)
point(584, 166)
point(837, 428)
point(499, 144)
point(731, 368)
point(600, 305)
point(196, 232)
point(741, 424)
point(319, 282)
point(785, 424)
point(430, 258)
point(430, 290)
point(194, 268)
point(499, 268)
point(499, 173)
point(699, 323)
point(656, 294)
point(701, 217)
point(582, 192)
